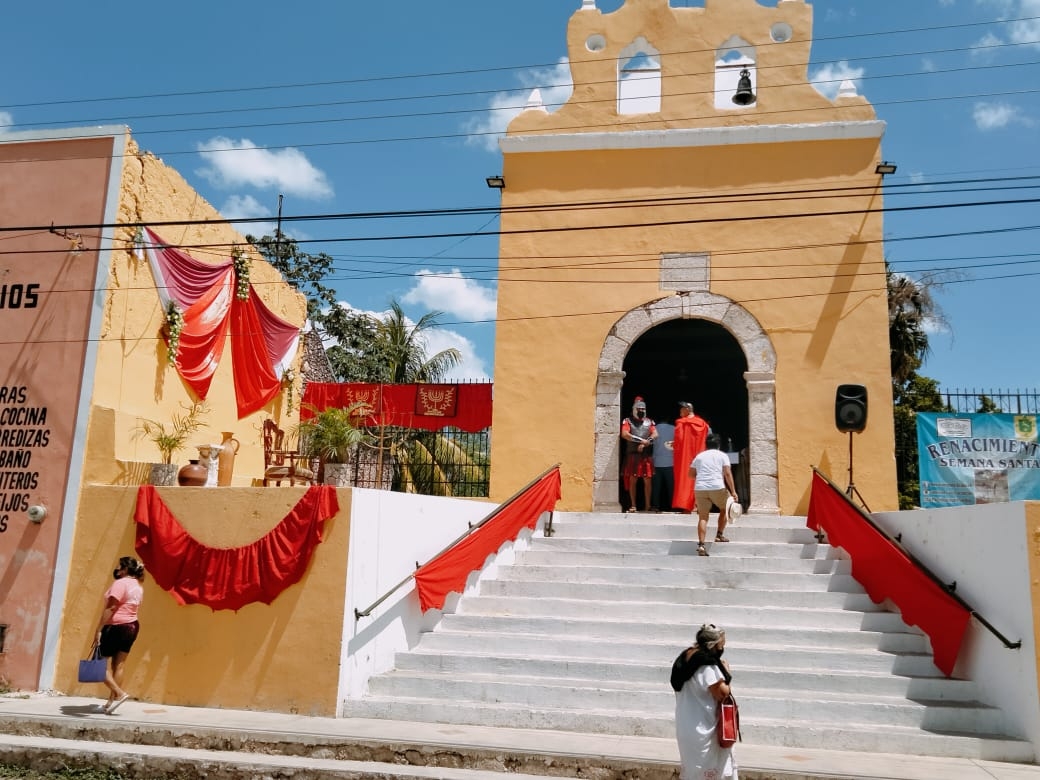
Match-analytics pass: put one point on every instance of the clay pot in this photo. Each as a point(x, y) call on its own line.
point(226, 467)
point(192, 475)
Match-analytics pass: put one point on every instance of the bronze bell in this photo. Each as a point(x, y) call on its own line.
point(744, 96)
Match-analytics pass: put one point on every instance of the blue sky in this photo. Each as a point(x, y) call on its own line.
point(394, 107)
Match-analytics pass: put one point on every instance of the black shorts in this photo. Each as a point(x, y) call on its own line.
point(118, 638)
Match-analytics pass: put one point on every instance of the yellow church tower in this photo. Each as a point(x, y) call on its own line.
point(697, 223)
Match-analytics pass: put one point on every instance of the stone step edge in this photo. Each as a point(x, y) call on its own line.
point(222, 747)
point(824, 696)
point(797, 725)
point(46, 754)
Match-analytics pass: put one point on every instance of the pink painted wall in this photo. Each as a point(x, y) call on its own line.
point(46, 289)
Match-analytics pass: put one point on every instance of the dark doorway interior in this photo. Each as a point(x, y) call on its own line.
point(690, 360)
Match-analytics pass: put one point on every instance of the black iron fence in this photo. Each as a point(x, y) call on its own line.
point(1007, 401)
point(448, 462)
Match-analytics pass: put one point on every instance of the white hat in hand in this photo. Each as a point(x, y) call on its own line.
point(733, 510)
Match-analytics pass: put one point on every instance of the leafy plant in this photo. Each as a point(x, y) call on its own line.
point(331, 434)
point(173, 437)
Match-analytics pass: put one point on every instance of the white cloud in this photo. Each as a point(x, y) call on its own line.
point(827, 78)
point(243, 206)
point(947, 2)
point(986, 46)
point(452, 293)
point(1024, 30)
point(6, 119)
point(555, 86)
point(233, 164)
point(993, 116)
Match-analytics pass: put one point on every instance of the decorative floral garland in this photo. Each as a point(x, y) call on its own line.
point(241, 261)
point(174, 326)
point(138, 243)
point(288, 381)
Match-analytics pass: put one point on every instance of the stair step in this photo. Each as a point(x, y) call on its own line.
point(773, 731)
point(524, 587)
point(580, 632)
point(678, 636)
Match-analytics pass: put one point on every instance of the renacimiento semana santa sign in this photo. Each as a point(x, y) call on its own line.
point(977, 458)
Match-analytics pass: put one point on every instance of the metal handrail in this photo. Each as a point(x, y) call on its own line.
point(897, 541)
point(358, 614)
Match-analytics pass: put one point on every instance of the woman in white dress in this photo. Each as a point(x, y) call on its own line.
point(700, 679)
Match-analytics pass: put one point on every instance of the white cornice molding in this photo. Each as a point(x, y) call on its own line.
point(689, 137)
point(62, 134)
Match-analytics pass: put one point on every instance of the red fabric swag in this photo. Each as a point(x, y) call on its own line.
point(449, 570)
point(255, 380)
point(470, 409)
point(230, 578)
point(885, 571)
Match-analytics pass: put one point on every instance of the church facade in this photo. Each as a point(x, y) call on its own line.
point(696, 223)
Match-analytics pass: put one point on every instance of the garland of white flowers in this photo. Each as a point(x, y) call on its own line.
point(288, 380)
point(174, 326)
point(241, 261)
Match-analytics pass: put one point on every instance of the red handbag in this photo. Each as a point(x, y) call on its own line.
point(727, 727)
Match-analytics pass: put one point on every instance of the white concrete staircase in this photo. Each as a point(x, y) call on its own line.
point(579, 635)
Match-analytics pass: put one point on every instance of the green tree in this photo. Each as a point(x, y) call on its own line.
point(911, 307)
point(987, 405)
point(362, 348)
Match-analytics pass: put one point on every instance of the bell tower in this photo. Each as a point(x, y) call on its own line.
point(695, 174)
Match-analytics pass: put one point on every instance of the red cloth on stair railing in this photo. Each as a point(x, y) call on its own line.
point(885, 571)
point(449, 571)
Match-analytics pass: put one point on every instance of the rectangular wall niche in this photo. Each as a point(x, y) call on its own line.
point(3, 635)
point(686, 272)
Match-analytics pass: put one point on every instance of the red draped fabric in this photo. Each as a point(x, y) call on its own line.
point(206, 324)
point(280, 336)
point(255, 379)
point(262, 345)
point(230, 578)
point(449, 570)
point(885, 571)
point(179, 275)
point(425, 407)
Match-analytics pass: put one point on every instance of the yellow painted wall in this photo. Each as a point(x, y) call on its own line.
point(1033, 551)
point(279, 657)
point(568, 275)
point(132, 375)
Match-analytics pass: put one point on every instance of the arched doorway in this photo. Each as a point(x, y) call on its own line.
point(644, 355)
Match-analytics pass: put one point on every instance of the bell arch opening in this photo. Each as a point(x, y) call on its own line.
point(695, 347)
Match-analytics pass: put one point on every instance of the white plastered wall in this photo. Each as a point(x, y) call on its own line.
point(983, 549)
point(389, 534)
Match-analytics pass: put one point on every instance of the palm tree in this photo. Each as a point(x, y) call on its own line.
point(431, 463)
point(405, 347)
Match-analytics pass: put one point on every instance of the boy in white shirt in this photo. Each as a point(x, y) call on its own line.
point(712, 484)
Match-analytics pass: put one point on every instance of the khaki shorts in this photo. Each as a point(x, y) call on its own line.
point(705, 498)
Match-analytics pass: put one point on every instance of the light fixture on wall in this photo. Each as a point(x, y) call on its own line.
point(496, 182)
point(885, 168)
point(744, 96)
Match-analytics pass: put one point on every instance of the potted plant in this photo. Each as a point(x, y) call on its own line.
point(331, 436)
point(171, 438)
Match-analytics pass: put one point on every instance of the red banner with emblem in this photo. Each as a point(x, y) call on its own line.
point(428, 407)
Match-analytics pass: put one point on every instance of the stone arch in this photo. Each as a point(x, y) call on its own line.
point(760, 378)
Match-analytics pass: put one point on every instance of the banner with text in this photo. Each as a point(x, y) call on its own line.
point(977, 458)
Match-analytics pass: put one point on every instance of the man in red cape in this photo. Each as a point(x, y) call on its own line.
point(691, 432)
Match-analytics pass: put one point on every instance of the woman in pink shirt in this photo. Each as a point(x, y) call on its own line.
point(118, 626)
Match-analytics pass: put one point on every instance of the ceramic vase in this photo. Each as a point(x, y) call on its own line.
point(209, 457)
point(230, 447)
point(192, 475)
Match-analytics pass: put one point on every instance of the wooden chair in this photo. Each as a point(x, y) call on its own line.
point(280, 463)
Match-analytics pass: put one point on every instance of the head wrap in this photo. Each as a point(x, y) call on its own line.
point(710, 635)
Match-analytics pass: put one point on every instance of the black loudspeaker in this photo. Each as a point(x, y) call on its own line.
point(850, 408)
